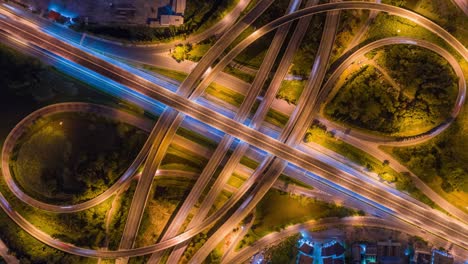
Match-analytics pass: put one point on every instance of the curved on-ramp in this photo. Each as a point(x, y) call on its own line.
point(329, 90)
point(22, 126)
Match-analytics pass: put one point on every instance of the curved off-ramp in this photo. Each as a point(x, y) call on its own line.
point(329, 90)
point(101, 110)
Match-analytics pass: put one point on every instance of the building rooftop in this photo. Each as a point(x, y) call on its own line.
point(304, 259)
point(335, 249)
point(307, 249)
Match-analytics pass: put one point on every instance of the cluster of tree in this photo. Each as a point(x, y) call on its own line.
point(444, 157)
point(29, 250)
point(120, 217)
point(20, 73)
point(426, 92)
point(181, 52)
point(87, 228)
point(367, 101)
point(285, 252)
point(422, 74)
point(195, 244)
point(350, 22)
point(65, 165)
point(304, 57)
point(97, 169)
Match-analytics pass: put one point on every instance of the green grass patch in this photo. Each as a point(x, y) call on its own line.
point(290, 91)
point(198, 138)
point(318, 134)
point(444, 13)
point(225, 94)
point(175, 75)
point(351, 22)
point(276, 118)
point(236, 180)
point(278, 209)
point(166, 194)
point(289, 180)
point(239, 74)
point(181, 158)
point(248, 162)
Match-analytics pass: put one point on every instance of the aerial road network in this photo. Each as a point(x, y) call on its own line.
point(232, 169)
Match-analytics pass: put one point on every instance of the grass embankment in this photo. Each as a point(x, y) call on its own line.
point(442, 162)
point(175, 75)
point(386, 25)
point(225, 94)
point(277, 210)
point(192, 52)
point(423, 99)
point(351, 21)
point(236, 180)
point(290, 91)
point(72, 157)
point(85, 229)
point(29, 250)
point(444, 13)
point(246, 77)
point(318, 134)
point(180, 158)
point(304, 57)
point(166, 195)
point(283, 253)
point(118, 220)
point(288, 180)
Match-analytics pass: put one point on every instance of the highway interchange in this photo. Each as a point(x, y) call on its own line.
point(184, 101)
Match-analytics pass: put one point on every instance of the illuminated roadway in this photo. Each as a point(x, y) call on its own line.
point(255, 138)
point(292, 135)
point(224, 145)
point(170, 120)
point(324, 224)
point(259, 115)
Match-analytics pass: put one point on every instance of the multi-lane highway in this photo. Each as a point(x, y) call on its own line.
point(405, 210)
point(170, 120)
point(292, 134)
point(239, 151)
